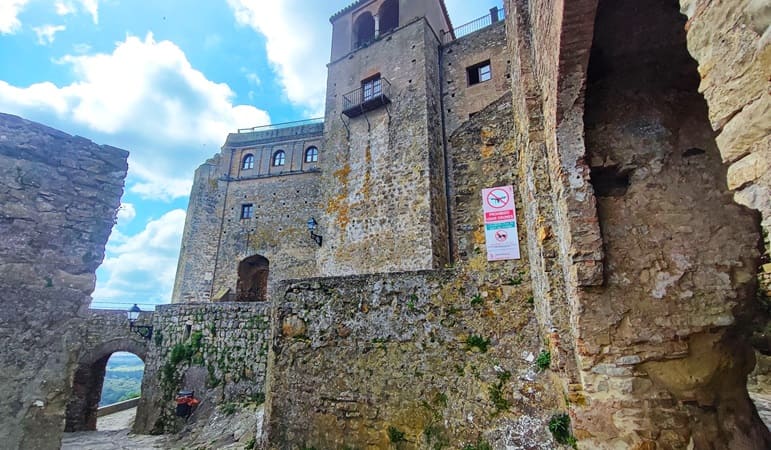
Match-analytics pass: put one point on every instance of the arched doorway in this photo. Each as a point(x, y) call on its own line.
point(253, 279)
point(88, 382)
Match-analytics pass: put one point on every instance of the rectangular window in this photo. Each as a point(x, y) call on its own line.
point(247, 211)
point(371, 88)
point(479, 73)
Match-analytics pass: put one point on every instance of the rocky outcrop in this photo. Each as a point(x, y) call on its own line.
point(59, 196)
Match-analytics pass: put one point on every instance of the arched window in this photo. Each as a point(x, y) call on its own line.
point(364, 30)
point(279, 158)
point(311, 154)
point(248, 161)
point(389, 16)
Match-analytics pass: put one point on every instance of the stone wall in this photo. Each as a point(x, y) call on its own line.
point(60, 195)
point(443, 357)
point(627, 318)
point(735, 72)
point(446, 357)
point(218, 350)
point(381, 194)
point(101, 334)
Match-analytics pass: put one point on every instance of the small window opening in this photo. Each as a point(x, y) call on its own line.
point(311, 154)
point(247, 211)
point(279, 158)
point(479, 73)
point(248, 161)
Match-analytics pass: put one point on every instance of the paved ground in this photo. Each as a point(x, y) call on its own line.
point(113, 434)
point(763, 403)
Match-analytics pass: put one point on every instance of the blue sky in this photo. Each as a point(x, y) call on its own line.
point(166, 80)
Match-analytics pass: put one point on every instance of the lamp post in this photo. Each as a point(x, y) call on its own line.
point(312, 224)
point(146, 331)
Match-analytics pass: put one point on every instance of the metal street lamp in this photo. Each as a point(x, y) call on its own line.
point(146, 331)
point(312, 224)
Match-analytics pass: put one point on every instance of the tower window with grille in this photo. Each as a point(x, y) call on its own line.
point(479, 73)
point(247, 211)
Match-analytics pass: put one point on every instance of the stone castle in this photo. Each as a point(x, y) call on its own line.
point(637, 146)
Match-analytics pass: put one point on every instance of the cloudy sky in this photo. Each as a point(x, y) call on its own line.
point(166, 80)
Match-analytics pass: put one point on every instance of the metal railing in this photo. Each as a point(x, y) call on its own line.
point(373, 92)
point(497, 14)
point(276, 126)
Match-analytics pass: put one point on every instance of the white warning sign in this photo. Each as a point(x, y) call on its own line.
point(501, 237)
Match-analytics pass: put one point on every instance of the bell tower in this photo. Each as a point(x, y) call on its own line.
point(384, 200)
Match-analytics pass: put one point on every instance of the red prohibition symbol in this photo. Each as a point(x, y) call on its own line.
point(501, 236)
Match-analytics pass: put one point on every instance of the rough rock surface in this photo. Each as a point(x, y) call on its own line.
point(59, 196)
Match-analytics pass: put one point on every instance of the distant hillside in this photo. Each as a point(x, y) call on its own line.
point(123, 378)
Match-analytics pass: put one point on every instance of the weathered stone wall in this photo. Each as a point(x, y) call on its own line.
point(60, 195)
point(200, 238)
point(380, 191)
point(102, 333)
point(735, 72)
point(397, 350)
point(284, 197)
point(218, 350)
point(651, 295)
point(393, 352)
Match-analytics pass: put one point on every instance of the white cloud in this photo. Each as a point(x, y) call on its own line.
point(294, 30)
point(46, 33)
point(9, 15)
point(146, 97)
point(65, 7)
point(141, 268)
point(126, 213)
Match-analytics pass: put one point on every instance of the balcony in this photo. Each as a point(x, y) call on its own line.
point(371, 95)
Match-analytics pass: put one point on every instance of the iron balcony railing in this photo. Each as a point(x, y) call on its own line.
point(496, 15)
point(371, 95)
point(277, 126)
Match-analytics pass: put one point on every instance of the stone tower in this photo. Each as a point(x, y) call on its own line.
point(384, 206)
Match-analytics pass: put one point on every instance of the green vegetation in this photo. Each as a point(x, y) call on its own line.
point(476, 300)
point(478, 342)
point(496, 396)
point(559, 425)
point(250, 444)
point(228, 409)
point(480, 445)
point(435, 436)
point(543, 361)
point(122, 379)
point(395, 436)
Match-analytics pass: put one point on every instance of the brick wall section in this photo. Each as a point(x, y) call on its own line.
point(225, 362)
point(60, 195)
point(460, 99)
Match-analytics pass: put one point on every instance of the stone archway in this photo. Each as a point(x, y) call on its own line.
point(87, 382)
point(253, 279)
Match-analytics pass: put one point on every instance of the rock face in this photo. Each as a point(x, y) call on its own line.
point(59, 196)
point(645, 271)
